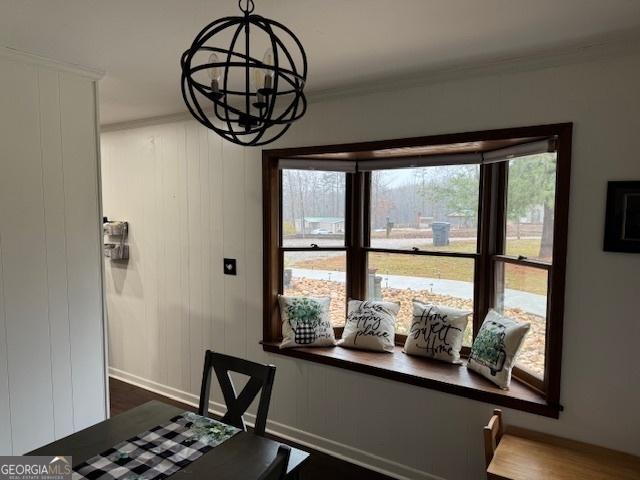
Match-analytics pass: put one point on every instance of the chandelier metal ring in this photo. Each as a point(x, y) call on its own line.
point(243, 111)
point(250, 6)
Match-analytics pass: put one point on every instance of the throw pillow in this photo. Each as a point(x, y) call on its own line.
point(305, 322)
point(436, 332)
point(370, 325)
point(495, 348)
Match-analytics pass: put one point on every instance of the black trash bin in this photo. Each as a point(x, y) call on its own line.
point(440, 233)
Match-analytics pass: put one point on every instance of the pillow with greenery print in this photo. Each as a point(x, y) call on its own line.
point(495, 348)
point(305, 322)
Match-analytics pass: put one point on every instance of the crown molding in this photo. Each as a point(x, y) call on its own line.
point(146, 122)
point(18, 55)
point(606, 47)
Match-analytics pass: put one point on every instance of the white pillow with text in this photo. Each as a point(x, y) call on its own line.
point(370, 325)
point(436, 332)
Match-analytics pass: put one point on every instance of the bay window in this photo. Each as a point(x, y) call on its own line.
point(473, 221)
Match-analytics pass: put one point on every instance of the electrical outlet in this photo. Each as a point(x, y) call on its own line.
point(230, 266)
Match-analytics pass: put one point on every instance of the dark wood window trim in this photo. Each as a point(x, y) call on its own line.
point(493, 180)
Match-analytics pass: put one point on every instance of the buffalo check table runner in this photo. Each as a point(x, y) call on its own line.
point(159, 452)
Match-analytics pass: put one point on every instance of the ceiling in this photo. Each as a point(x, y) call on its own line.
point(349, 43)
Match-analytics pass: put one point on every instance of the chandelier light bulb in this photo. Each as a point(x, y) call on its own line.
point(214, 73)
point(258, 81)
point(258, 78)
point(267, 73)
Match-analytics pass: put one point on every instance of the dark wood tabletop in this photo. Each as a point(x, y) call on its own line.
point(244, 456)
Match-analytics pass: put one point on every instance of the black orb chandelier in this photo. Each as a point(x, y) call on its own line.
point(246, 100)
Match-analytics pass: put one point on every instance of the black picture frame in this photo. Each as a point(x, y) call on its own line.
point(622, 222)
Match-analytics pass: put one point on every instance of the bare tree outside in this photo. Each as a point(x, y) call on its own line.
point(530, 204)
point(313, 206)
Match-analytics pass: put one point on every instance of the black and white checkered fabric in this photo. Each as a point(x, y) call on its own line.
point(158, 452)
point(305, 334)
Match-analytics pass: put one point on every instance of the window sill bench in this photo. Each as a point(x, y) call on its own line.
point(422, 372)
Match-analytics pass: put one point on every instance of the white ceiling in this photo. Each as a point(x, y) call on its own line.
point(348, 42)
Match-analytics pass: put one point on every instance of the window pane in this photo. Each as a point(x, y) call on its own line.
point(317, 274)
point(439, 280)
point(432, 208)
point(521, 294)
point(313, 205)
point(531, 192)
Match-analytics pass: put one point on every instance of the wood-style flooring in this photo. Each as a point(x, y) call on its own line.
point(320, 466)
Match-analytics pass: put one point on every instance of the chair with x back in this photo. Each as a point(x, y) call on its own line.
point(260, 378)
point(277, 469)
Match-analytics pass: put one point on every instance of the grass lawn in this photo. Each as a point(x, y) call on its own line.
point(518, 278)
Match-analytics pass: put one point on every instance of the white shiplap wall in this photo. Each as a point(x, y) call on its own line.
point(193, 200)
point(184, 193)
point(52, 363)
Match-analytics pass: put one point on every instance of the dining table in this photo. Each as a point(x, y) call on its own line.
point(244, 456)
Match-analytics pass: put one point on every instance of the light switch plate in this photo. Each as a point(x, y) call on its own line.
point(230, 266)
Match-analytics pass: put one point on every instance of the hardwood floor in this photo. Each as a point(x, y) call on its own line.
point(320, 466)
point(124, 396)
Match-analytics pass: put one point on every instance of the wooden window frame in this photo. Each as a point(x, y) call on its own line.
point(491, 237)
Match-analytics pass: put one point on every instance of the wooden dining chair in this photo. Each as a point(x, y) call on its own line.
point(260, 381)
point(277, 470)
point(492, 435)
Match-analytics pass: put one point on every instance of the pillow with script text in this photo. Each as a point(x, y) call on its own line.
point(370, 325)
point(305, 322)
point(436, 332)
point(495, 348)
